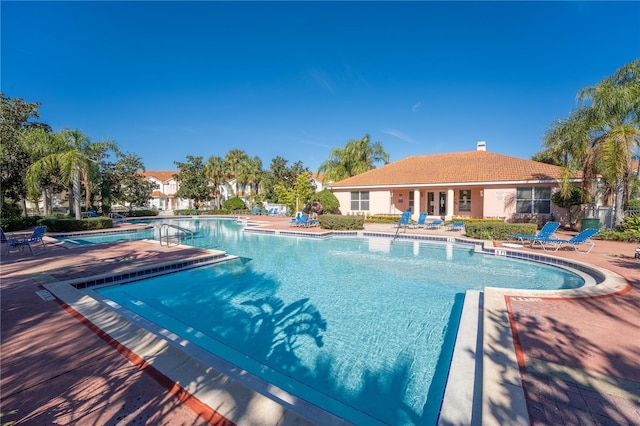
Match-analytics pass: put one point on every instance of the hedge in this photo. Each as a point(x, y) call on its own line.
point(498, 230)
point(18, 223)
point(338, 222)
point(140, 213)
point(55, 224)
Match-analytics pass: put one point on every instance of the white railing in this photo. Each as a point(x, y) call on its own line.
point(176, 236)
point(117, 217)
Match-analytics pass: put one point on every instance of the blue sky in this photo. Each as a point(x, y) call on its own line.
point(296, 79)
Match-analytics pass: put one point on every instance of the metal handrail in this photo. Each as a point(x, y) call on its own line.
point(179, 228)
point(118, 217)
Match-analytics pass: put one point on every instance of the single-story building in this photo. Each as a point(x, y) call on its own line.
point(473, 184)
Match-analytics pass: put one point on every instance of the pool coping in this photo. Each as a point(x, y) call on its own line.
point(503, 400)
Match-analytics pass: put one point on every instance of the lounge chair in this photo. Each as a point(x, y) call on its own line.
point(295, 219)
point(36, 237)
point(405, 220)
point(421, 221)
point(305, 222)
point(584, 237)
point(11, 242)
point(255, 210)
point(546, 231)
point(435, 224)
point(456, 226)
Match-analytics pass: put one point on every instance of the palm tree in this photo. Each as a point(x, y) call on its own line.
point(75, 158)
point(603, 134)
point(253, 172)
point(44, 176)
point(358, 156)
point(233, 161)
point(217, 172)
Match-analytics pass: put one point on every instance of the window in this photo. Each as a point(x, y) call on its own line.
point(359, 200)
point(533, 200)
point(464, 202)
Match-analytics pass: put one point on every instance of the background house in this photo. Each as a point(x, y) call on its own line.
point(476, 184)
point(164, 197)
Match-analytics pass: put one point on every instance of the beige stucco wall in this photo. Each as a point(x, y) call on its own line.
point(493, 202)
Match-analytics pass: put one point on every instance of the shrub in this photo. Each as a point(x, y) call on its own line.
point(330, 203)
point(139, 213)
point(613, 235)
point(18, 223)
point(631, 223)
point(338, 222)
point(55, 224)
point(233, 204)
point(493, 230)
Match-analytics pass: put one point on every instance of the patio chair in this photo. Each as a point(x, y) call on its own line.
point(456, 226)
point(295, 219)
point(545, 232)
point(305, 222)
point(405, 220)
point(36, 237)
point(584, 237)
point(421, 221)
point(435, 224)
point(10, 241)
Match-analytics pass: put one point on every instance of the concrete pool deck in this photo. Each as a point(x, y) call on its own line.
point(577, 358)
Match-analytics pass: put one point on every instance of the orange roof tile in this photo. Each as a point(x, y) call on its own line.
point(161, 175)
point(158, 194)
point(452, 168)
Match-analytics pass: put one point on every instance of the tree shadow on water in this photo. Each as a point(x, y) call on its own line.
point(277, 329)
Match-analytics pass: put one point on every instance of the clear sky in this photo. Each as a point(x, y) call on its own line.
point(296, 79)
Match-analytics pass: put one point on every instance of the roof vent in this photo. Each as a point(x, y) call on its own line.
point(482, 146)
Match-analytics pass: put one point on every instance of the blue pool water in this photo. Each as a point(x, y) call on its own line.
point(362, 327)
point(81, 240)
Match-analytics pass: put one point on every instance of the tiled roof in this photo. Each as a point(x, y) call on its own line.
point(452, 168)
point(158, 194)
point(161, 175)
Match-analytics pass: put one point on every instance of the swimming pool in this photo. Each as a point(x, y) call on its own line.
point(106, 237)
point(362, 327)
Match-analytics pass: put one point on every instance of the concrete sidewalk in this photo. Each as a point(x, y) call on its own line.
point(579, 358)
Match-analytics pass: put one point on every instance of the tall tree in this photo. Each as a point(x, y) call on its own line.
point(234, 160)
point(252, 170)
point(17, 117)
point(128, 185)
point(76, 159)
point(216, 171)
point(193, 181)
point(358, 156)
point(602, 135)
point(46, 180)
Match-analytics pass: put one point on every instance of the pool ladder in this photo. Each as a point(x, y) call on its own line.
point(181, 231)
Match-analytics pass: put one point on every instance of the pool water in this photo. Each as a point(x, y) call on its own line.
point(363, 327)
point(87, 239)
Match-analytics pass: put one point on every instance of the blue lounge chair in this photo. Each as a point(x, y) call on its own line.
point(35, 238)
point(10, 241)
point(405, 220)
point(295, 219)
point(255, 210)
point(584, 237)
point(456, 226)
point(435, 224)
point(421, 221)
point(305, 222)
point(547, 231)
